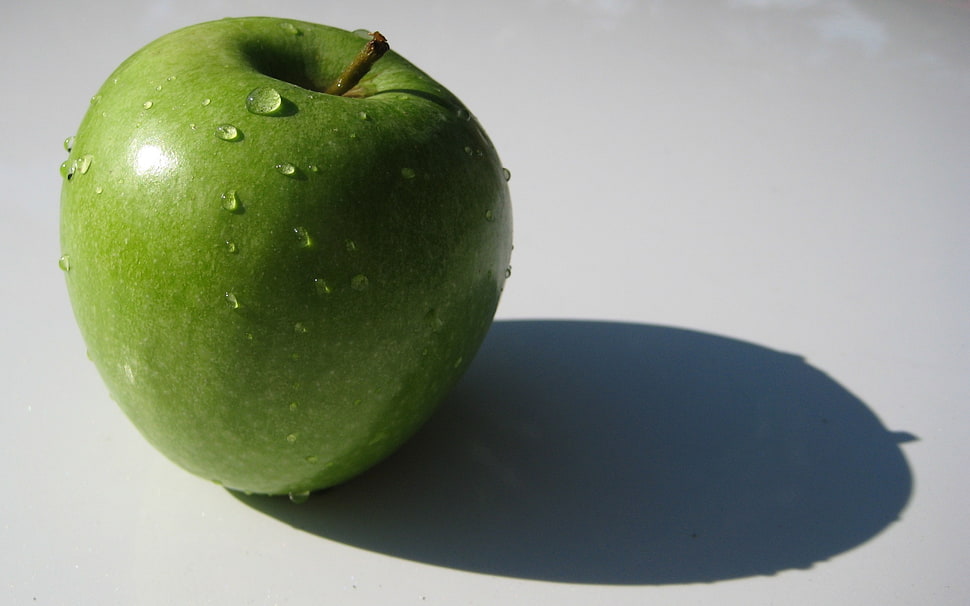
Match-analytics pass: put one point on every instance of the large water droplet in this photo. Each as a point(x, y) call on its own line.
point(206, 102)
point(64, 262)
point(227, 132)
point(289, 28)
point(69, 143)
point(303, 238)
point(359, 282)
point(232, 301)
point(67, 170)
point(285, 168)
point(300, 497)
point(230, 201)
point(264, 101)
point(84, 163)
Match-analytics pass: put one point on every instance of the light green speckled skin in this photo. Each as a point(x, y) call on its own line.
point(290, 343)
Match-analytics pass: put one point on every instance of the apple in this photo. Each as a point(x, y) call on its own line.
point(282, 248)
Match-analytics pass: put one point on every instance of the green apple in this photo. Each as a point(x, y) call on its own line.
point(280, 269)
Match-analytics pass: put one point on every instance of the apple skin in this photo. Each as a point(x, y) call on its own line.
point(279, 310)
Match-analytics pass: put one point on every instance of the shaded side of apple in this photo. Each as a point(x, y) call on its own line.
point(278, 285)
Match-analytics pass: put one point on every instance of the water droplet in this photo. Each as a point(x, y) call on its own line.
point(313, 168)
point(407, 173)
point(434, 322)
point(322, 287)
point(362, 115)
point(459, 361)
point(363, 33)
point(312, 459)
point(350, 245)
point(69, 143)
point(303, 238)
point(232, 301)
point(469, 150)
point(99, 190)
point(464, 114)
point(230, 201)
point(158, 88)
point(508, 272)
point(264, 101)
point(84, 163)
point(95, 99)
point(300, 328)
point(489, 216)
point(227, 132)
point(507, 174)
point(67, 170)
point(64, 262)
point(289, 28)
point(294, 406)
point(300, 497)
point(147, 104)
point(206, 102)
point(170, 78)
point(231, 247)
point(285, 168)
point(291, 438)
point(359, 282)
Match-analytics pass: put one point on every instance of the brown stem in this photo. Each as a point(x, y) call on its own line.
point(358, 68)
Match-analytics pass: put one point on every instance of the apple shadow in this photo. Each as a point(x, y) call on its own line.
point(599, 452)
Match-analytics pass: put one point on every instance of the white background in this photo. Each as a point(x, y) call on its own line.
point(754, 215)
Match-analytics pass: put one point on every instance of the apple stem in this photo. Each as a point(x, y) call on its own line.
point(358, 68)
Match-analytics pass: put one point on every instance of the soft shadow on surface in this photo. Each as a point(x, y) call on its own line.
point(597, 452)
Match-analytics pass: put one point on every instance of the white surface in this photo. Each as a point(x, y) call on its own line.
point(785, 179)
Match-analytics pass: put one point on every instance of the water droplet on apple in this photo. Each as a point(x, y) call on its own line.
point(84, 163)
point(303, 238)
point(469, 150)
point(158, 88)
point(313, 168)
point(64, 262)
point(407, 173)
point(294, 406)
point(232, 301)
point(264, 101)
point(489, 216)
point(350, 245)
point(321, 286)
point(206, 102)
point(227, 132)
point(507, 174)
point(289, 28)
point(363, 33)
point(459, 361)
point(291, 438)
point(95, 99)
point(67, 170)
point(300, 328)
point(362, 115)
point(300, 497)
point(231, 247)
point(433, 321)
point(359, 282)
point(147, 104)
point(508, 272)
point(230, 201)
point(69, 143)
point(99, 190)
point(285, 168)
